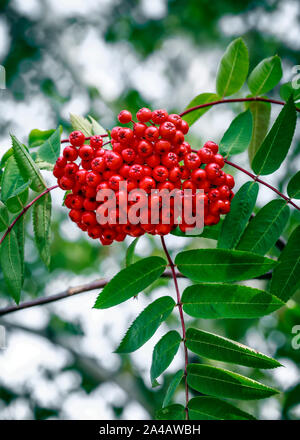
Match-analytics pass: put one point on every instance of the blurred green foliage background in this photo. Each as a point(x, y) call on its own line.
point(98, 57)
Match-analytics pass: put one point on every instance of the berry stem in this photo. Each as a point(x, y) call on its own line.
point(226, 101)
point(24, 210)
point(179, 304)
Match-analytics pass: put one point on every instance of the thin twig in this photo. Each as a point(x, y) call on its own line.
point(179, 304)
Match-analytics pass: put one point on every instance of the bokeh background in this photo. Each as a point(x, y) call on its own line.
point(97, 57)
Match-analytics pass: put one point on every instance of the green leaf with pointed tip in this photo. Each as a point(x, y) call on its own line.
point(27, 166)
point(216, 347)
point(50, 149)
point(38, 137)
point(14, 190)
point(265, 228)
point(238, 136)
point(285, 280)
point(203, 98)
point(96, 127)
point(287, 89)
point(6, 156)
point(82, 124)
point(130, 281)
point(211, 408)
point(236, 220)
point(213, 301)
point(221, 265)
point(265, 76)
point(130, 252)
point(41, 216)
point(11, 265)
point(171, 412)
point(4, 218)
point(233, 68)
point(261, 113)
point(223, 383)
point(146, 324)
point(163, 354)
point(172, 387)
point(293, 188)
point(276, 144)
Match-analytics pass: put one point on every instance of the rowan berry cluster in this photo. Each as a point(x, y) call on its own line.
point(152, 155)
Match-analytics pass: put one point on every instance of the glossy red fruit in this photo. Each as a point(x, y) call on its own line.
point(145, 148)
point(167, 130)
point(125, 117)
point(229, 181)
point(159, 116)
point(147, 183)
point(96, 142)
point(219, 159)
point(144, 114)
point(128, 155)
point(136, 172)
point(206, 155)
point(86, 152)
point(198, 176)
point(93, 179)
point(151, 134)
point(76, 138)
point(160, 173)
point(212, 170)
point(212, 146)
point(66, 183)
point(113, 160)
point(139, 129)
point(169, 160)
point(192, 161)
point(70, 153)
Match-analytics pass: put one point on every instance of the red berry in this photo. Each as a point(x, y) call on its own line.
point(70, 153)
point(145, 148)
point(144, 114)
point(113, 160)
point(61, 162)
point(76, 138)
point(160, 173)
point(125, 116)
point(153, 160)
point(81, 176)
point(147, 183)
point(75, 215)
point(58, 171)
point(192, 161)
point(96, 142)
point(198, 176)
point(212, 146)
point(136, 172)
point(159, 116)
point(229, 181)
point(128, 155)
point(114, 181)
point(174, 174)
point(224, 192)
point(70, 169)
point(89, 218)
point(219, 159)
point(170, 159)
point(93, 179)
point(178, 138)
point(66, 183)
point(167, 130)
point(175, 119)
point(184, 127)
point(212, 170)
point(139, 129)
point(206, 155)
point(162, 146)
point(152, 134)
point(98, 164)
point(86, 152)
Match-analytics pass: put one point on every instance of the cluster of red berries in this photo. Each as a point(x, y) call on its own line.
point(153, 154)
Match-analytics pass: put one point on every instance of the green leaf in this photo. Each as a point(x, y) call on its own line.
point(27, 166)
point(203, 98)
point(233, 68)
point(96, 127)
point(81, 124)
point(285, 280)
point(5, 157)
point(220, 265)
point(146, 324)
point(41, 216)
point(276, 144)
point(223, 383)
point(238, 136)
point(20, 233)
point(38, 137)
point(265, 76)
point(171, 412)
point(287, 89)
point(293, 188)
point(130, 252)
point(211, 408)
point(4, 218)
point(211, 232)
point(213, 301)
point(130, 281)
point(265, 228)
point(172, 387)
point(11, 265)
point(49, 151)
point(222, 349)
point(163, 354)
point(236, 220)
point(14, 190)
point(261, 113)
